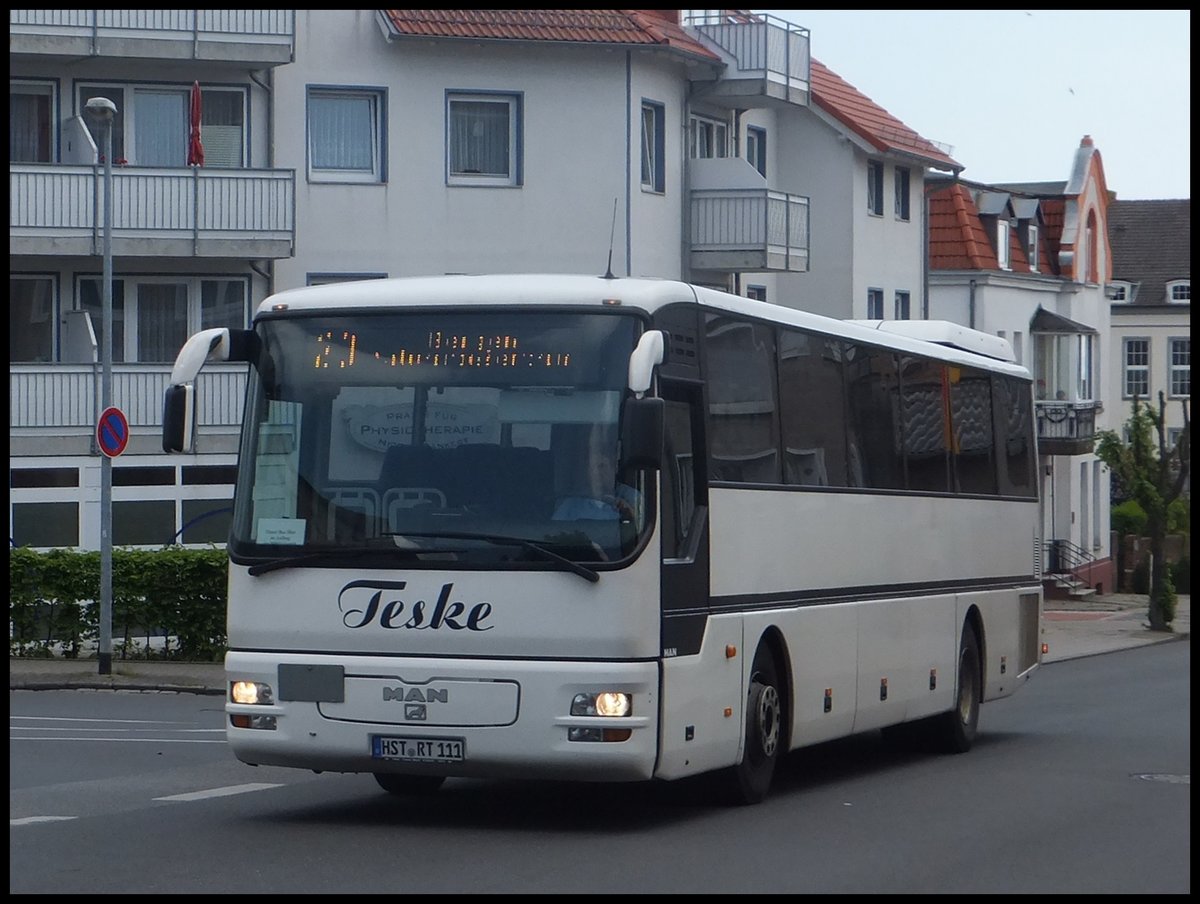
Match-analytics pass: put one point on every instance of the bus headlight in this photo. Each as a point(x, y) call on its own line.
point(605, 703)
point(252, 693)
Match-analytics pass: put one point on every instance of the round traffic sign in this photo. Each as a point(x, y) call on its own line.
point(112, 432)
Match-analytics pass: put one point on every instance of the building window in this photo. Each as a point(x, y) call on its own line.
point(206, 520)
point(1136, 379)
point(756, 148)
point(31, 122)
point(1002, 257)
point(1179, 377)
point(45, 524)
point(1180, 290)
point(30, 319)
point(1031, 246)
point(759, 293)
point(653, 148)
point(153, 316)
point(707, 138)
point(483, 139)
point(151, 124)
point(148, 522)
point(874, 304)
point(903, 300)
point(875, 188)
point(345, 135)
point(902, 193)
point(1118, 292)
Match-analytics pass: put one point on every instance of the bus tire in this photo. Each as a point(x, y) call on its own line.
point(957, 728)
point(409, 785)
point(749, 781)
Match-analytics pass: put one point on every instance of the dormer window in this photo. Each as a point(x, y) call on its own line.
point(1031, 246)
point(1002, 228)
point(1120, 292)
point(1179, 291)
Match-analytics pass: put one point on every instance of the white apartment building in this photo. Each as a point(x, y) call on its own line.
point(349, 144)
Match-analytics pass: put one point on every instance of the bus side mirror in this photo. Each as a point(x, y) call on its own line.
point(650, 352)
point(642, 434)
point(179, 418)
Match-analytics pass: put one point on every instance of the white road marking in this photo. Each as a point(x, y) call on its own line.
point(117, 730)
point(103, 721)
point(222, 792)
point(139, 740)
point(30, 820)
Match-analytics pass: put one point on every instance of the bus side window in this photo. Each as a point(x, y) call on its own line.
point(678, 479)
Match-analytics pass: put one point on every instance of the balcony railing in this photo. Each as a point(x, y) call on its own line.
point(157, 211)
point(1066, 428)
point(54, 398)
point(736, 222)
point(766, 57)
point(265, 37)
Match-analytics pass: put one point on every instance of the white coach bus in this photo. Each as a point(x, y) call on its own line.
point(613, 530)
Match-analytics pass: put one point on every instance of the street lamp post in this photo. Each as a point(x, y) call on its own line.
point(104, 110)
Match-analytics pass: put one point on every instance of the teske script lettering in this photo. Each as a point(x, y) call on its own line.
point(384, 608)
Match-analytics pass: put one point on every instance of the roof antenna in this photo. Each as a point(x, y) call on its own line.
point(608, 273)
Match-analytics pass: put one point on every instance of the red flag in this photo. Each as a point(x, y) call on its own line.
point(195, 152)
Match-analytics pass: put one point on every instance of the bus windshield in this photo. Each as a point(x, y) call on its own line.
point(468, 438)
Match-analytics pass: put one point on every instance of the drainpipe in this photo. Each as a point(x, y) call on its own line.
point(971, 307)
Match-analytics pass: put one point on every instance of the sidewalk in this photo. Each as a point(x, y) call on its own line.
point(1070, 628)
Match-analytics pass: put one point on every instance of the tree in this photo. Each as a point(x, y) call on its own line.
point(1154, 475)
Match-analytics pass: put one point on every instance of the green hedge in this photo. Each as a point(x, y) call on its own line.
point(174, 593)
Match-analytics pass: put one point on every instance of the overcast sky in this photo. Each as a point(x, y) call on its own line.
point(1012, 92)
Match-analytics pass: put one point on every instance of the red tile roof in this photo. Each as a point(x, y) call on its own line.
point(580, 26)
point(958, 239)
point(848, 105)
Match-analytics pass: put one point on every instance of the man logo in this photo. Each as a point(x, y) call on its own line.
point(415, 695)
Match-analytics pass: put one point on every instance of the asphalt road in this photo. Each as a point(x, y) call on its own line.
point(1078, 783)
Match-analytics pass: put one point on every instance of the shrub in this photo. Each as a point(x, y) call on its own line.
point(1128, 518)
point(54, 601)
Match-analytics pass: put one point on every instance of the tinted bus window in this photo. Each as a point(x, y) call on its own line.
point(874, 436)
point(1014, 436)
point(812, 414)
point(925, 430)
point(974, 440)
point(742, 426)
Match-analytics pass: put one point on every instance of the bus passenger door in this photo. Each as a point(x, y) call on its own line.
point(683, 521)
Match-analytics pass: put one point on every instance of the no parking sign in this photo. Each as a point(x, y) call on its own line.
point(112, 432)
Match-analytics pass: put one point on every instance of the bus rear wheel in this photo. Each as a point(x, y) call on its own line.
point(410, 785)
point(957, 728)
point(749, 781)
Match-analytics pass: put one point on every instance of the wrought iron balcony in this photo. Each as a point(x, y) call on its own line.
point(157, 211)
point(258, 37)
point(736, 222)
point(1066, 428)
point(767, 58)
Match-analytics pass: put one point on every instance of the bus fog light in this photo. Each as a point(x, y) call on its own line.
point(583, 734)
point(262, 723)
point(254, 693)
point(604, 703)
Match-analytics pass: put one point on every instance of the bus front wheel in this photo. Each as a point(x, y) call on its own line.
point(394, 783)
point(749, 781)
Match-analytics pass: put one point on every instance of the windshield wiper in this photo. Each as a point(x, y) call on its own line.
point(309, 558)
point(500, 540)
